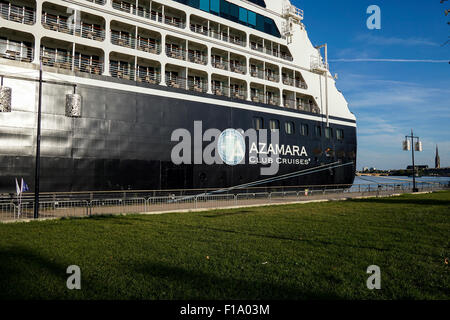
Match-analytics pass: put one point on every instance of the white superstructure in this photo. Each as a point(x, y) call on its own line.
point(168, 43)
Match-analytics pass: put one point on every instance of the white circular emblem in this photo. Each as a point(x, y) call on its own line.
point(231, 146)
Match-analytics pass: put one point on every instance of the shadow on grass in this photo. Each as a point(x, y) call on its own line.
point(19, 267)
point(207, 286)
point(406, 201)
point(227, 213)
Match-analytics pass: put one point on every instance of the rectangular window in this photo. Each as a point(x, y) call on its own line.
point(243, 18)
point(328, 133)
point(252, 19)
point(305, 130)
point(274, 125)
point(318, 131)
point(340, 134)
point(215, 6)
point(289, 127)
point(204, 5)
point(258, 123)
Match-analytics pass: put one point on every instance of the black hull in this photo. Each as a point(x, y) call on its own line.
point(123, 141)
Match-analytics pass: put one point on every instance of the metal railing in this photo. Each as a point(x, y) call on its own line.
point(238, 94)
point(257, 73)
point(198, 86)
point(100, 2)
point(220, 90)
point(122, 71)
point(258, 98)
point(274, 77)
point(273, 100)
point(16, 51)
point(148, 45)
point(83, 204)
point(288, 81)
point(238, 68)
point(19, 14)
point(149, 77)
point(122, 40)
point(289, 103)
point(300, 84)
point(56, 58)
point(219, 64)
point(197, 58)
point(176, 82)
point(176, 53)
point(176, 22)
point(56, 23)
point(200, 30)
point(90, 31)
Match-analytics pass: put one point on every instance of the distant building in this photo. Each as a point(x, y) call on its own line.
point(437, 160)
point(419, 167)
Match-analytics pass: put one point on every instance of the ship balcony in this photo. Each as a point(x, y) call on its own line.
point(148, 71)
point(289, 100)
point(237, 64)
point(308, 105)
point(300, 83)
point(197, 56)
point(18, 46)
point(257, 97)
point(286, 56)
point(122, 69)
point(175, 18)
point(175, 51)
point(56, 53)
point(22, 11)
point(124, 6)
point(197, 84)
point(272, 96)
point(272, 75)
point(57, 23)
point(123, 39)
point(288, 81)
point(198, 28)
point(148, 45)
point(256, 46)
point(176, 82)
point(88, 60)
point(238, 89)
point(220, 89)
point(219, 63)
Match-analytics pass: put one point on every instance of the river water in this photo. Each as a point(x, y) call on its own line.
point(399, 180)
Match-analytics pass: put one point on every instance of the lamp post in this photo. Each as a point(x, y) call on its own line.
point(418, 147)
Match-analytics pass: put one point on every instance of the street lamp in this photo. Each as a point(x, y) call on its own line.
point(409, 145)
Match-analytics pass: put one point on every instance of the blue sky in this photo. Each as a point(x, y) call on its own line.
point(389, 98)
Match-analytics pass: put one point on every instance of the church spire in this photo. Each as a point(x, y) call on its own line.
point(437, 160)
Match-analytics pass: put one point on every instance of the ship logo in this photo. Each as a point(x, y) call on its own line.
point(231, 147)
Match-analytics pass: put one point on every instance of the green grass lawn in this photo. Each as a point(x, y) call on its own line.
point(310, 251)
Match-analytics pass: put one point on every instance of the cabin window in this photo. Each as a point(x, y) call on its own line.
point(339, 134)
point(328, 133)
point(304, 130)
point(289, 127)
point(258, 123)
point(318, 131)
point(274, 125)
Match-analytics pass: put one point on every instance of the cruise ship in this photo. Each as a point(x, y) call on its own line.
point(119, 77)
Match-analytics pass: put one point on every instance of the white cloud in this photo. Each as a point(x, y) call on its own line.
point(392, 41)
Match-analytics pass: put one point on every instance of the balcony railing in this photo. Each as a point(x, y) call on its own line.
point(197, 58)
point(122, 71)
point(122, 40)
point(175, 22)
point(238, 94)
point(257, 73)
point(237, 41)
point(15, 13)
point(273, 100)
point(87, 65)
point(198, 86)
point(92, 32)
point(149, 77)
point(288, 81)
point(148, 45)
point(219, 64)
point(272, 77)
point(16, 51)
point(56, 23)
point(55, 58)
point(300, 84)
point(289, 103)
point(176, 82)
point(257, 47)
point(200, 30)
point(176, 53)
point(308, 107)
point(220, 90)
point(286, 56)
point(123, 6)
point(257, 97)
point(238, 68)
